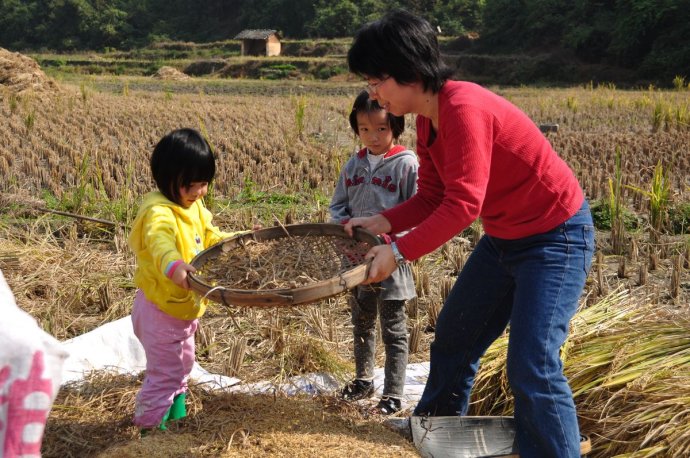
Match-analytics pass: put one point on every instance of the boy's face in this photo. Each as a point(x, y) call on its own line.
point(374, 131)
point(190, 194)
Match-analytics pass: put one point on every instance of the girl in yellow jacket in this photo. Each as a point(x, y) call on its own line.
point(171, 227)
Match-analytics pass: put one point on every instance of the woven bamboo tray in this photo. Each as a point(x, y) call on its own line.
point(283, 265)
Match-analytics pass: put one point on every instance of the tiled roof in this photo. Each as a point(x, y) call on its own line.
point(251, 34)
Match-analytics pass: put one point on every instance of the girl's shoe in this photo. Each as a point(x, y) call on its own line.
point(165, 419)
point(178, 409)
point(143, 432)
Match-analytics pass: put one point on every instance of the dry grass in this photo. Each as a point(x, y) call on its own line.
point(72, 284)
point(94, 419)
point(622, 335)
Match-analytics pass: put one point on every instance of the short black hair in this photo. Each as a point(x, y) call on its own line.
point(363, 104)
point(179, 159)
point(400, 45)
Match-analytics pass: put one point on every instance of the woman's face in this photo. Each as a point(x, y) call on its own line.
point(392, 96)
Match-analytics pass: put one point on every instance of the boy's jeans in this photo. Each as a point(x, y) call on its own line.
point(534, 284)
point(393, 333)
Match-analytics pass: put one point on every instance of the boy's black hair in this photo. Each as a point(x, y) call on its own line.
point(179, 159)
point(363, 104)
point(400, 45)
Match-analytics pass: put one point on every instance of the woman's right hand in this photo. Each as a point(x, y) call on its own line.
point(382, 265)
point(377, 224)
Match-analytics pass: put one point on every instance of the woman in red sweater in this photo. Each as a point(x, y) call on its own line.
point(482, 157)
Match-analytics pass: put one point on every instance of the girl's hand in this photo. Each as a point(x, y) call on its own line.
point(377, 224)
point(179, 277)
point(383, 264)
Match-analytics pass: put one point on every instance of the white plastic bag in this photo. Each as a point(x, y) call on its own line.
point(30, 375)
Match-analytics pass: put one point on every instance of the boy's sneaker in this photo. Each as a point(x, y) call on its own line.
point(388, 405)
point(357, 389)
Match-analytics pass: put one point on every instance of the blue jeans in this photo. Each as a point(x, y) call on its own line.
point(533, 283)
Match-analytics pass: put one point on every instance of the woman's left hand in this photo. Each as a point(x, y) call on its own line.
point(376, 224)
point(382, 265)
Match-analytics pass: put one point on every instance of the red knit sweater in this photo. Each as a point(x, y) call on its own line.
point(488, 160)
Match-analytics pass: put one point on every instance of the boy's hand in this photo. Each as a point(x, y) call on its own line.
point(179, 277)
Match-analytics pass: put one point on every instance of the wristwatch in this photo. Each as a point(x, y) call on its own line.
point(399, 258)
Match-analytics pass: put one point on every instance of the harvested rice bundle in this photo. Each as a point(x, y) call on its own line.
point(628, 364)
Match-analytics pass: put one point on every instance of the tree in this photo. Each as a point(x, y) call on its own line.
point(455, 17)
point(335, 20)
point(287, 16)
point(587, 29)
point(16, 19)
point(503, 25)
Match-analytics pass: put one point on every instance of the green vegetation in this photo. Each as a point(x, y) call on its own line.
point(300, 108)
point(251, 195)
point(615, 205)
point(642, 34)
point(679, 83)
point(679, 219)
point(277, 71)
point(603, 216)
point(127, 24)
point(632, 40)
point(659, 196)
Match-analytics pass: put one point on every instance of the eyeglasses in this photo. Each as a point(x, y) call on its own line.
point(373, 88)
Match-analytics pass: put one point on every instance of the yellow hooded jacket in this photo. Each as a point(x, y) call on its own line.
point(163, 232)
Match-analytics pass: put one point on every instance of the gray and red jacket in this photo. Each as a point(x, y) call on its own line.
point(362, 191)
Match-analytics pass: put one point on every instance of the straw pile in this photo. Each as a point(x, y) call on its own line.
point(170, 73)
point(20, 73)
point(71, 288)
point(628, 363)
point(94, 419)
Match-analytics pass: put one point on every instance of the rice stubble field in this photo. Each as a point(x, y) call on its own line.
point(83, 149)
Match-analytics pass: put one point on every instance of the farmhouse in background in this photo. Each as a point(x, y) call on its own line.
point(262, 42)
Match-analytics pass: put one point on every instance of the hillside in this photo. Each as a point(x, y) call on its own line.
point(326, 60)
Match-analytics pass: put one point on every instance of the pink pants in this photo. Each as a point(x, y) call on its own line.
point(169, 346)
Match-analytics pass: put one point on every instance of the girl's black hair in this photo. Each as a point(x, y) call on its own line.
point(363, 104)
point(400, 45)
point(179, 159)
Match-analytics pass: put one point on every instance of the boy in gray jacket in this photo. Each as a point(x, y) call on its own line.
point(380, 176)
